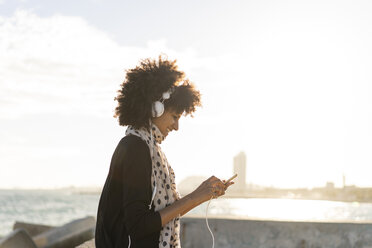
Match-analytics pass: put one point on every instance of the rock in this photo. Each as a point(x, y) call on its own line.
point(89, 244)
point(69, 235)
point(19, 238)
point(32, 229)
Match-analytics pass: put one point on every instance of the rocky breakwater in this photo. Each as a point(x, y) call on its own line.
point(70, 235)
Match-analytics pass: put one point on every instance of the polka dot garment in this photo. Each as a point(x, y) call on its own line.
point(163, 176)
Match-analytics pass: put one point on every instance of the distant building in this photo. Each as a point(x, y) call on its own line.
point(240, 168)
point(189, 184)
point(343, 181)
point(330, 185)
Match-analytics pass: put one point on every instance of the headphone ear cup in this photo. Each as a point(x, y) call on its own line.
point(157, 109)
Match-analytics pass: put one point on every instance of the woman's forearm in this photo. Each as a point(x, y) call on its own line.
point(180, 207)
point(212, 187)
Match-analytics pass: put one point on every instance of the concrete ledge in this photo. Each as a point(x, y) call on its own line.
point(236, 233)
point(274, 234)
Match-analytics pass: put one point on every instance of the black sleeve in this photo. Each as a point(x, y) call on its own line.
point(135, 160)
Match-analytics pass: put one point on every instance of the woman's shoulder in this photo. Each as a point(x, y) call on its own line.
point(131, 150)
point(132, 140)
point(133, 143)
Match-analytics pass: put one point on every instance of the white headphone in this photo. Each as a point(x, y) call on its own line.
point(158, 106)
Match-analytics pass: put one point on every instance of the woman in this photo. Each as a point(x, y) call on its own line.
point(140, 205)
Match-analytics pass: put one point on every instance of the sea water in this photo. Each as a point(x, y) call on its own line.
point(49, 207)
point(57, 207)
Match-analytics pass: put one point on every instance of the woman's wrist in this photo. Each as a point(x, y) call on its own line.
point(197, 197)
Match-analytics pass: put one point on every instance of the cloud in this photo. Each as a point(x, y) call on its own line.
point(63, 63)
point(292, 99)
point(58, 78)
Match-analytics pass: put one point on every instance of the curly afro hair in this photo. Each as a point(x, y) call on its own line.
point(145, 84)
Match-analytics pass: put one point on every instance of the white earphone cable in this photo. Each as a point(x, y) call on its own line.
point(206, 221)
point(152, 151)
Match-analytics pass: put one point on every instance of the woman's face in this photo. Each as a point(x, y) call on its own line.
point(167, 122)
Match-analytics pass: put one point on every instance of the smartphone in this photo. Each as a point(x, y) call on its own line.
point(231, 178)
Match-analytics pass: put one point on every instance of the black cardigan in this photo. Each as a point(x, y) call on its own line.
point(123, 207)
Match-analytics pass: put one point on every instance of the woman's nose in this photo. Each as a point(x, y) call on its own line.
point(175, 125)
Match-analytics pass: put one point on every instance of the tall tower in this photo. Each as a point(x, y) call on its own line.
point(240, 167)
point(343, 181)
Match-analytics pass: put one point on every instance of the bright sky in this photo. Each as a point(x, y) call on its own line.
point(287, 82)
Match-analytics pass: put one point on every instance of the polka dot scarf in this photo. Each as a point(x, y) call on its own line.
point(164, 178)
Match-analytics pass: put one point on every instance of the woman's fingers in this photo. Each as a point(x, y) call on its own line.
point(213, 180)
point(219, 189)
point(218, 192)
point(216, 187)
point(228, 184)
